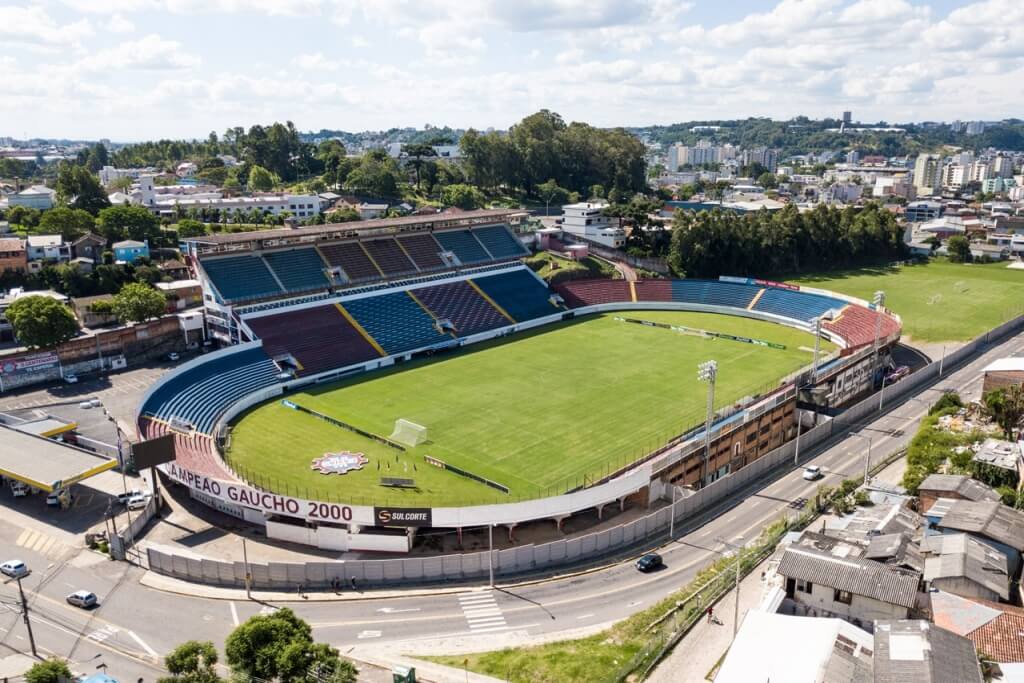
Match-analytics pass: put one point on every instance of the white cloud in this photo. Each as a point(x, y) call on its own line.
point(148, 53)
point(119, 24)
point(315, 62)
point(33, 25)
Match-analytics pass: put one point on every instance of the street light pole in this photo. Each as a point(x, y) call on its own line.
point(736, 588)
point(881, 395)
point(24, 614)
point(708, 372)
point(248, 575)
point(796, 449)
point(867, 457)
point(490, 553)
point(942, 359)
point(672, 514)
point(879, 301)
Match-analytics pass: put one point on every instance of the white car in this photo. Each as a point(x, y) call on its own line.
point(14, 568)
point(138, 502)
point(71, 379)
point(173, 356)
point(19, 489)
point(83, 599)
point(812, 472)
point(123, 498)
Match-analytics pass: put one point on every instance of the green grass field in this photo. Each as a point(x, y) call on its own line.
point(938, 301)
point(535, 412)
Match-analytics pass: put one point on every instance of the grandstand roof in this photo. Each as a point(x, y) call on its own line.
point(45, 464)
point(370, 227)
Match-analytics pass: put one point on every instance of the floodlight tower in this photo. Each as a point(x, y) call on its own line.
point(708, 372)
point(879, 301)
point(827, 315)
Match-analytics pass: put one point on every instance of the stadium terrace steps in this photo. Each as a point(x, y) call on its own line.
point(464, 245)
point(194, 452)
point(298, 270)
point(589, 292)
point(200, 394)
point(653, 290)
point(856, 325)
point(500, 242)
point(395, 321)
point(521, 294)
point(351, 258)
point(241, 277)
point(319, 338)
point(713, 293)
point(424, 251)
point(463, 306)
point(796, 305)
point(389, 257)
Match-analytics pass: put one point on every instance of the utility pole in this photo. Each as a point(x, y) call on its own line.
point(708, 372)
point(672, 514)
point(490, 553)
point(867, 457)
point(736, 605)
point(796, 449)
point(248, 574)
point(24, 614)
point(879, 301)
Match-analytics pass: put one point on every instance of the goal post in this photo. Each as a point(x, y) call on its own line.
point(408, 433)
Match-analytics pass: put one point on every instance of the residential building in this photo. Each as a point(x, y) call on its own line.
point(587, 220)
point(917, 212)
point(186, 169)
point(109, 174)
point(367, 210)
point(34, 197)
point(1006, 455)
point(12, 254)
point(1002, 166)
point(975, 128)
point(894, 186)
point(777, 647)
point(843, 193)
point(769, 158)
point(92, 315)
point(962, 565)
point(997, 185)
point(169, 204)
point(1003, 372)
point(6, 330)
point(826, 577)
point(954, 487)
point(981, 170)
point(89, 245)
point(999, 526)
point(48, 248)
point(997, 630)
point(174, 269)
point(928, 174)
point(181, 294)
point(919, 651)
point(129, 251)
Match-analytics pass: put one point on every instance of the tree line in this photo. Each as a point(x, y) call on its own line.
point(707, 244)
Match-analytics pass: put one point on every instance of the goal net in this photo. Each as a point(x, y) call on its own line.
point(408, 433)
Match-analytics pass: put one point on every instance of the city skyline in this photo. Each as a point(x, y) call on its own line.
point(99, 69)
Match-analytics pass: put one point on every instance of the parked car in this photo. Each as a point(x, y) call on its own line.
point(123, 498)
point(71, 378)
point(19, 489)
point(897, 373)
point(173, 356)
point(650, 562)
point(83, 599)
point(812, 473)
point(14, 568)
point(138, 502)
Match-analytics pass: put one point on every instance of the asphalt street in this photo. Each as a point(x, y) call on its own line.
point(134, 625)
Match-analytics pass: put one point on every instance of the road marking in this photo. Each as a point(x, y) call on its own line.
point(368, 634)
point(143, 644)
point(45, 545)
point(234, 613)
point(396, 610)
point(482, 612)
point(584, 616)
point(102, 634)
point(492, 628)
point(267, 609)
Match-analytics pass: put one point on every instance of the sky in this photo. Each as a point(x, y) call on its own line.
point(145, 69)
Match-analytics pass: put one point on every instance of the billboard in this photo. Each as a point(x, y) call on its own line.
point(37, 362)
point(153, 452)
point(402, 516)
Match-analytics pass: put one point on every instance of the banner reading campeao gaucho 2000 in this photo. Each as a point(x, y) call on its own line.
point(273, 503)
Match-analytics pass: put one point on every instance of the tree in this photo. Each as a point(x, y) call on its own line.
point(376, 174)
point(78, 188)
point(551, 193)
point(768, 180)
point(40, 321)
point(128, 222)
point(192, 662)
point(188, 227)
point(261, 180)
point(462, 196)
point(48, 671)
point(959, 249)
point(68, 223)
point(1005, 406)
point(416, 152)
point(279, 646)
point(138, 302)
point(345, 215)
point(124, 183)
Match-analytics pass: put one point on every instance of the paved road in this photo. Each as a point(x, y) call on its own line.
point(135, 624)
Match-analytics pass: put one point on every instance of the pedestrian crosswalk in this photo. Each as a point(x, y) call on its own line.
point(482, 612)
point(45, 545)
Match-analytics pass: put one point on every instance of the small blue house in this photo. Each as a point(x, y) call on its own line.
point(129, 251)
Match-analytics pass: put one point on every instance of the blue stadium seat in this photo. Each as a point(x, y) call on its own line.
point(463, 244)
point(795, 305)
point(298, 270)
point(713, 293)
point(202, 394)
point(241, 277)
point(463, 306)
point(395, 321)
point(500, 242)
point(520, 293)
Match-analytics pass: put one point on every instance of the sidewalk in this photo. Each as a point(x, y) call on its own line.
point(428, 672)
point(701, 649)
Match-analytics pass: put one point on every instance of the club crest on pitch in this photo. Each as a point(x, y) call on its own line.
point(339, 463)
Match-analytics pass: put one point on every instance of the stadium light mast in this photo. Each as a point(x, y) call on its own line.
point(879, 301)
point(708, 372)
point(827, 315)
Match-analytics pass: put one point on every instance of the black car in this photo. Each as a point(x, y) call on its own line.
point(650, 562)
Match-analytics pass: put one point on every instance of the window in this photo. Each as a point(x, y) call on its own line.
point(804, 586)
point(844, 597)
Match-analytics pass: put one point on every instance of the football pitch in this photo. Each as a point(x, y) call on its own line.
point(539, 412)
point(938, 301)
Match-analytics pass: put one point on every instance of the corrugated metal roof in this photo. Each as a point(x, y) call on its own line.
point(968, 488)
point(914, 650)
point(960, 556)
point(854, 575)
point(985, 518)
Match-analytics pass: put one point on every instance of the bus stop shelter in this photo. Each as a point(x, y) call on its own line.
point(45, 464)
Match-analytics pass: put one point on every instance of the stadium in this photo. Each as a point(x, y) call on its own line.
point(414, 372)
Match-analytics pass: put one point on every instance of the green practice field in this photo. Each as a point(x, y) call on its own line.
point(938, 301)
point(534, 412)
